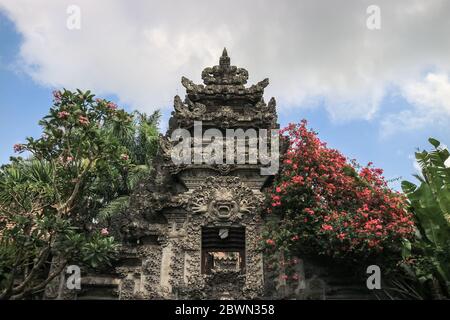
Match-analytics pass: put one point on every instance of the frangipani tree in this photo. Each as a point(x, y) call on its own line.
point(50, 201)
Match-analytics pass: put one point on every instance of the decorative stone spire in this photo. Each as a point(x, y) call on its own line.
point(224, 61)
point(224, 81)
point(225, 73)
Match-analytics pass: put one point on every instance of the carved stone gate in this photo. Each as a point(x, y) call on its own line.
point(213, 241)
point(193, 230)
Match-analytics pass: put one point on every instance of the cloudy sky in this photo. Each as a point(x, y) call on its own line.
point(375, 94)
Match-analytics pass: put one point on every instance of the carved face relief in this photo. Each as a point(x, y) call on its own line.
point(224, 199)
point(223, 205)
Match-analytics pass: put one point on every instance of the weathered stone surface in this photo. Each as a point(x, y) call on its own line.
point(161, 233)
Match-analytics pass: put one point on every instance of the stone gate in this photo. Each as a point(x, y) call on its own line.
point(192, 230)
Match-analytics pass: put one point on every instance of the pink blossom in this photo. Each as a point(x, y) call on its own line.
point(63, 114)
point(83, 120)
point(18, 147)
point(104, 232)
point(57, 95)
point(112, 105)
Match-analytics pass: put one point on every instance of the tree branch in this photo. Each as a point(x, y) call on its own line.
point(43, 284)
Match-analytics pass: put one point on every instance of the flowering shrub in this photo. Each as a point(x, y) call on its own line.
point(323, 204)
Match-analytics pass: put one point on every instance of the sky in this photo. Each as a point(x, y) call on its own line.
point(376, 94)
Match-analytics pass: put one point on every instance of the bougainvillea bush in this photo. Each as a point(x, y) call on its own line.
point(325, 205)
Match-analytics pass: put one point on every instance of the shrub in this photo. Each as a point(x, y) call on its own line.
point(323, 204)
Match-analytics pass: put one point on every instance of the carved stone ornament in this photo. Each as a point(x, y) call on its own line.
point(224, 199)
point(161, 230)
point(190, 110)
point(224, 79)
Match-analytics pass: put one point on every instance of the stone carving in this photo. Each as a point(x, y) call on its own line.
point(224, 199)
point(165, 147)
point(223, 100)
point(224, 73)
point(226, 80)
point(261, 114)
point(223, 169)
point(190, 110)
point(161, 232)
point(227, 116)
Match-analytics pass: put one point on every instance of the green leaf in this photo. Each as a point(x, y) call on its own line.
point(434, 142)
point(408, 187)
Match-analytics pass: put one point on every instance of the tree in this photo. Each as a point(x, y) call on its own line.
point(427, 257)
point(50, 203)
point(322, 204)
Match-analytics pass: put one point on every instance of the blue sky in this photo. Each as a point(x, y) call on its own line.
point(382, 118)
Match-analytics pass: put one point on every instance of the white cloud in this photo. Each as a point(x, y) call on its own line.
point(432, 95)
point(430, 101)
point(311, 50)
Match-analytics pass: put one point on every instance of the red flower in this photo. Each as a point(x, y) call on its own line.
point(338, 205)
point(297, 179)
point(276, 204)
point(270, 242)
point(342, 235)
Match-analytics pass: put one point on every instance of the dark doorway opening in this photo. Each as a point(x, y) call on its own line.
point(223, 249)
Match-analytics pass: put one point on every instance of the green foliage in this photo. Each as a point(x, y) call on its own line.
point(114, 207)
point(82, 169)
point(98, 251)
point(430, 203)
